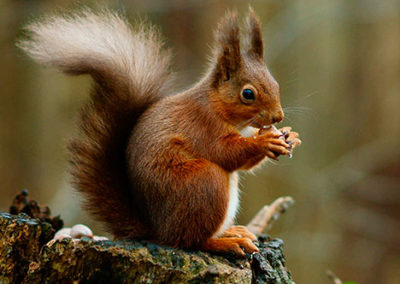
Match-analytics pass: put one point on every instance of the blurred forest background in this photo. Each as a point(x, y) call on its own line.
point(338, 65)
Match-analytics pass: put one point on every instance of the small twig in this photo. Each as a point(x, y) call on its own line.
point(269, 214)
point(333, 277)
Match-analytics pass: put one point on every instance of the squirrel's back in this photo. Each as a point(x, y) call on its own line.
point(131, 71)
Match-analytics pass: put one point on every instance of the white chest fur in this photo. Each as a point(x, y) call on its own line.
point(248, 131)
point(233, 203)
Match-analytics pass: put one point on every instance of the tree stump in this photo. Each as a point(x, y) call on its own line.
point(27, 255)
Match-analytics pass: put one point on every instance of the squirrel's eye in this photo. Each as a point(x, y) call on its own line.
point(248, 95)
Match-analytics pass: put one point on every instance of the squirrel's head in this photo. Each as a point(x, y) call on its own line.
point(245, 93)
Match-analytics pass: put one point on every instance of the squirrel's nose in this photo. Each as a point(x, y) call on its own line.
point(277, 117)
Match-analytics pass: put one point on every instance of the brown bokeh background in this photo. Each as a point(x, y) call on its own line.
point(338, 64)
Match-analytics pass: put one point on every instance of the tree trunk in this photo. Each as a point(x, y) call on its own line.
point(29, 255)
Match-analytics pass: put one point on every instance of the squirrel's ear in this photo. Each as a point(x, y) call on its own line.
point(256, 44)
point(227, 49)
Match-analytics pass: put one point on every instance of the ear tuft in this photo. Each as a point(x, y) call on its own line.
point(227, 49)
point(256, 47)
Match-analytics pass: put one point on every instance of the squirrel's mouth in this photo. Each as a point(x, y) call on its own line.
point(266, 119)
point(258, 123)
point(251, 129)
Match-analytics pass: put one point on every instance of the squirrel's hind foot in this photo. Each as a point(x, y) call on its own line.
point(239, 232)
point(228, 245)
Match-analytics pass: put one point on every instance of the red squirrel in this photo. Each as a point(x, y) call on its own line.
point(156, 165)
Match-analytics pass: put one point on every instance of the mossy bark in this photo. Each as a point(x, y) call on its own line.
point(27, 257)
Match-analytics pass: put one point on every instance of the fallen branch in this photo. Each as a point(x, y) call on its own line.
point(333, 277)
point(267, 216)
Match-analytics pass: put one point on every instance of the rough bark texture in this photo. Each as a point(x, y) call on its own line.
point(27, 257)
point(20, 243)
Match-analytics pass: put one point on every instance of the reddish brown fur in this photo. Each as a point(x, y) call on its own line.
point(256, 42)
point(98, 160)
point(183, 148)
point(159, 168)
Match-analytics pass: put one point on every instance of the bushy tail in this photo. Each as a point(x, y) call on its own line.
point(131, 71)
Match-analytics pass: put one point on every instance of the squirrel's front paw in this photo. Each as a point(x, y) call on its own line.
point(273, 142)
point(291, 138)
point(279, 142)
